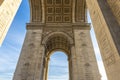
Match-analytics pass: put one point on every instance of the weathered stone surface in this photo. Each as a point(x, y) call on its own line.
point(61, 25)
point(115, 7)
point(107, 32)
point(30, 64)
point(85, 57)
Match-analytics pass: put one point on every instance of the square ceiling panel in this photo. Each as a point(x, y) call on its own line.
point(58, 10)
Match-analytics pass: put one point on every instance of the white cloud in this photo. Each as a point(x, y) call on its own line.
point(15, 39)
point(58, 68)
point(62, 77)
point(59, 58)
point(9, 53)
point(7, 66)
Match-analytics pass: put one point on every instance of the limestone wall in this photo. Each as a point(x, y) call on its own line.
point(115, 7)
point(86, 62)
point(8, 9)
point(30, 64)
point(107, 33)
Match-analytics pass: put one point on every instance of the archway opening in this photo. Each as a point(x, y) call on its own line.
point(58, 68)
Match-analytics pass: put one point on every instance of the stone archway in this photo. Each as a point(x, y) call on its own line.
point(54, 42)
point(69, 18)
point(39, 42)
point(57, 24)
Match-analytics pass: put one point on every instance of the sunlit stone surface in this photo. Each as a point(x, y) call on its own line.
point(62, 25)
point(8, 9)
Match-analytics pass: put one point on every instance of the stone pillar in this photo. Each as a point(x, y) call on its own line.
point(46, 68)
point(30, 64)
point(73, 65)
point(107, 31)
point(86, 62)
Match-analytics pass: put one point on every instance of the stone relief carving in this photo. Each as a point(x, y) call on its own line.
point(108, 55)
point(68, 31)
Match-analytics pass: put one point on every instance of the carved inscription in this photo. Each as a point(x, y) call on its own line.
point(107, 49)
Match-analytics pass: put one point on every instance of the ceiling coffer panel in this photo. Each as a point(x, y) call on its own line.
point(58, 11)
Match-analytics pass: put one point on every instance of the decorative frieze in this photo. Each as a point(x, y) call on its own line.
point(107, 50)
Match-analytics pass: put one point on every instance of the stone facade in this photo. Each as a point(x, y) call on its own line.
point(107, 31)
point(57, 25)
point(85, 57)
point(61, 25)
point(42, 40)
point(8, 9)
point(31, 58)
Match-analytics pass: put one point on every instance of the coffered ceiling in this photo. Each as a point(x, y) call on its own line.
point(57, 11)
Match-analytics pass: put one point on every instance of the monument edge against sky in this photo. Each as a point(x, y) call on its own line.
point(8, 9)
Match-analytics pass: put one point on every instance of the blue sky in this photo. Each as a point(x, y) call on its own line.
point(58, 66)
point(11, 47)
